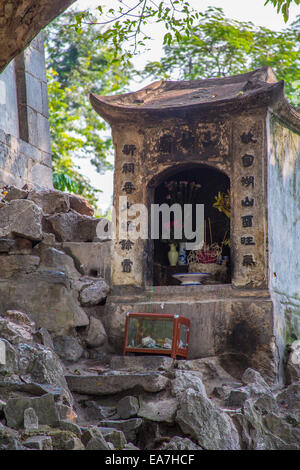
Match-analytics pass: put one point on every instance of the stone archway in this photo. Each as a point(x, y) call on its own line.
point(196, 184)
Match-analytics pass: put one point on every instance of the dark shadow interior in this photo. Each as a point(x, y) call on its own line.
point(212, 181)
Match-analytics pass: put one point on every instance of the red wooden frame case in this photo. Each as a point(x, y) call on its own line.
point(177, 322)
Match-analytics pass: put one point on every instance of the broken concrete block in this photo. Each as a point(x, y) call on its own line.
point(94, 293)
point(51, 201)
point(128, 407)
point(158, 410)
point(96, 334)
point(67, 347)
point(71, 226)
point(22, 218)
point(43, 406)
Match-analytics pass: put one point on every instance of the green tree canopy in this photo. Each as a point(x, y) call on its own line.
point(78, 63)
point(219, 47)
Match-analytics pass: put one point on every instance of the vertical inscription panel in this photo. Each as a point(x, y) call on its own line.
point(127, 253)
point(249, 203)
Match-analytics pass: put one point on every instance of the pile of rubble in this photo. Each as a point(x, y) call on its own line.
point(53, 267)
point(136, 402)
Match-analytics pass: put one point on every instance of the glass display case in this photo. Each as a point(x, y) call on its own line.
point(155, 333)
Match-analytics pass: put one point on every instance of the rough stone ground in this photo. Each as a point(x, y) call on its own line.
point(136, 402)
point(61, 386)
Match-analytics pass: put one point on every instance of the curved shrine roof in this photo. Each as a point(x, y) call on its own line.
point(176, 98)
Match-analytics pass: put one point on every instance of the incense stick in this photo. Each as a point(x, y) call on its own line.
point(210, 231)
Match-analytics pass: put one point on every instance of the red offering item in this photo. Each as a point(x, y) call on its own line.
point(206, 257)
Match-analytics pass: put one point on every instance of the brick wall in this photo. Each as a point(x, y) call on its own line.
point(25, 155)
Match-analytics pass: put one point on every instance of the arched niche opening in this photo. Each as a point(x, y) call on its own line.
point(195, 184)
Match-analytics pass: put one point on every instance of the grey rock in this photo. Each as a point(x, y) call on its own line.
point(80, 205)
point(187, 379)
point(95, 434)
point(115, 436)
point(66, 412)
point(179, 443)
point(95, 411)
point(128, 407)
point(49, 239)
point(15, 193)
point(51, 201)
point(261, 429)
point(112, 383)
point(136, 363)
point(43, 406)
point(45, 338)
point(15, 444)
point(13, 265)
point(95, 443)
point(255, 381)
point(20, 318)
point(68, 425)
point(293, 363)
point(160, 410)
point(10, 367)
point(222, 392)
point(65, 440)
point(2, 405)
point(92, 257)
point(15, 333)
point(96, 334)
point(213, 374)
point(288, 401)
point(52, 302)
point(237, 398)
point(205, 422)
point(22, 218)
point(130, 446)
point(129, 427)
point(94, 293)
point(68, 348)
point(42, 366)
point(39, 443)
point(72, 226)
point(30, 419)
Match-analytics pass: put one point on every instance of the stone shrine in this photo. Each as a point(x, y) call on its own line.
point(236, 133)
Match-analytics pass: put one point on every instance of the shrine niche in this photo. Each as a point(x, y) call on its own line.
point(194, 184)
point(236, 140)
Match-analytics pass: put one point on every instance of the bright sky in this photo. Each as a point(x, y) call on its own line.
point(241, 10)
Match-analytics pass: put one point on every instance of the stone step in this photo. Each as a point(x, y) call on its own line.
point(112, 383)
point(141, 362)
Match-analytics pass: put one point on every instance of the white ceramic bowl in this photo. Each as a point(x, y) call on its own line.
point(191, 279)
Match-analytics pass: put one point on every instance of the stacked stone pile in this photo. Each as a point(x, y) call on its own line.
point(159, 403)
point(133, 403)
point(53, 267)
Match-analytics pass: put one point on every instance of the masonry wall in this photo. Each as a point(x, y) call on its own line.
point(25, 155)
point(284, 230)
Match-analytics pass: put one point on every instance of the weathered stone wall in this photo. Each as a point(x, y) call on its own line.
point(284, 229)
point(52, 262)
point(25, 155)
